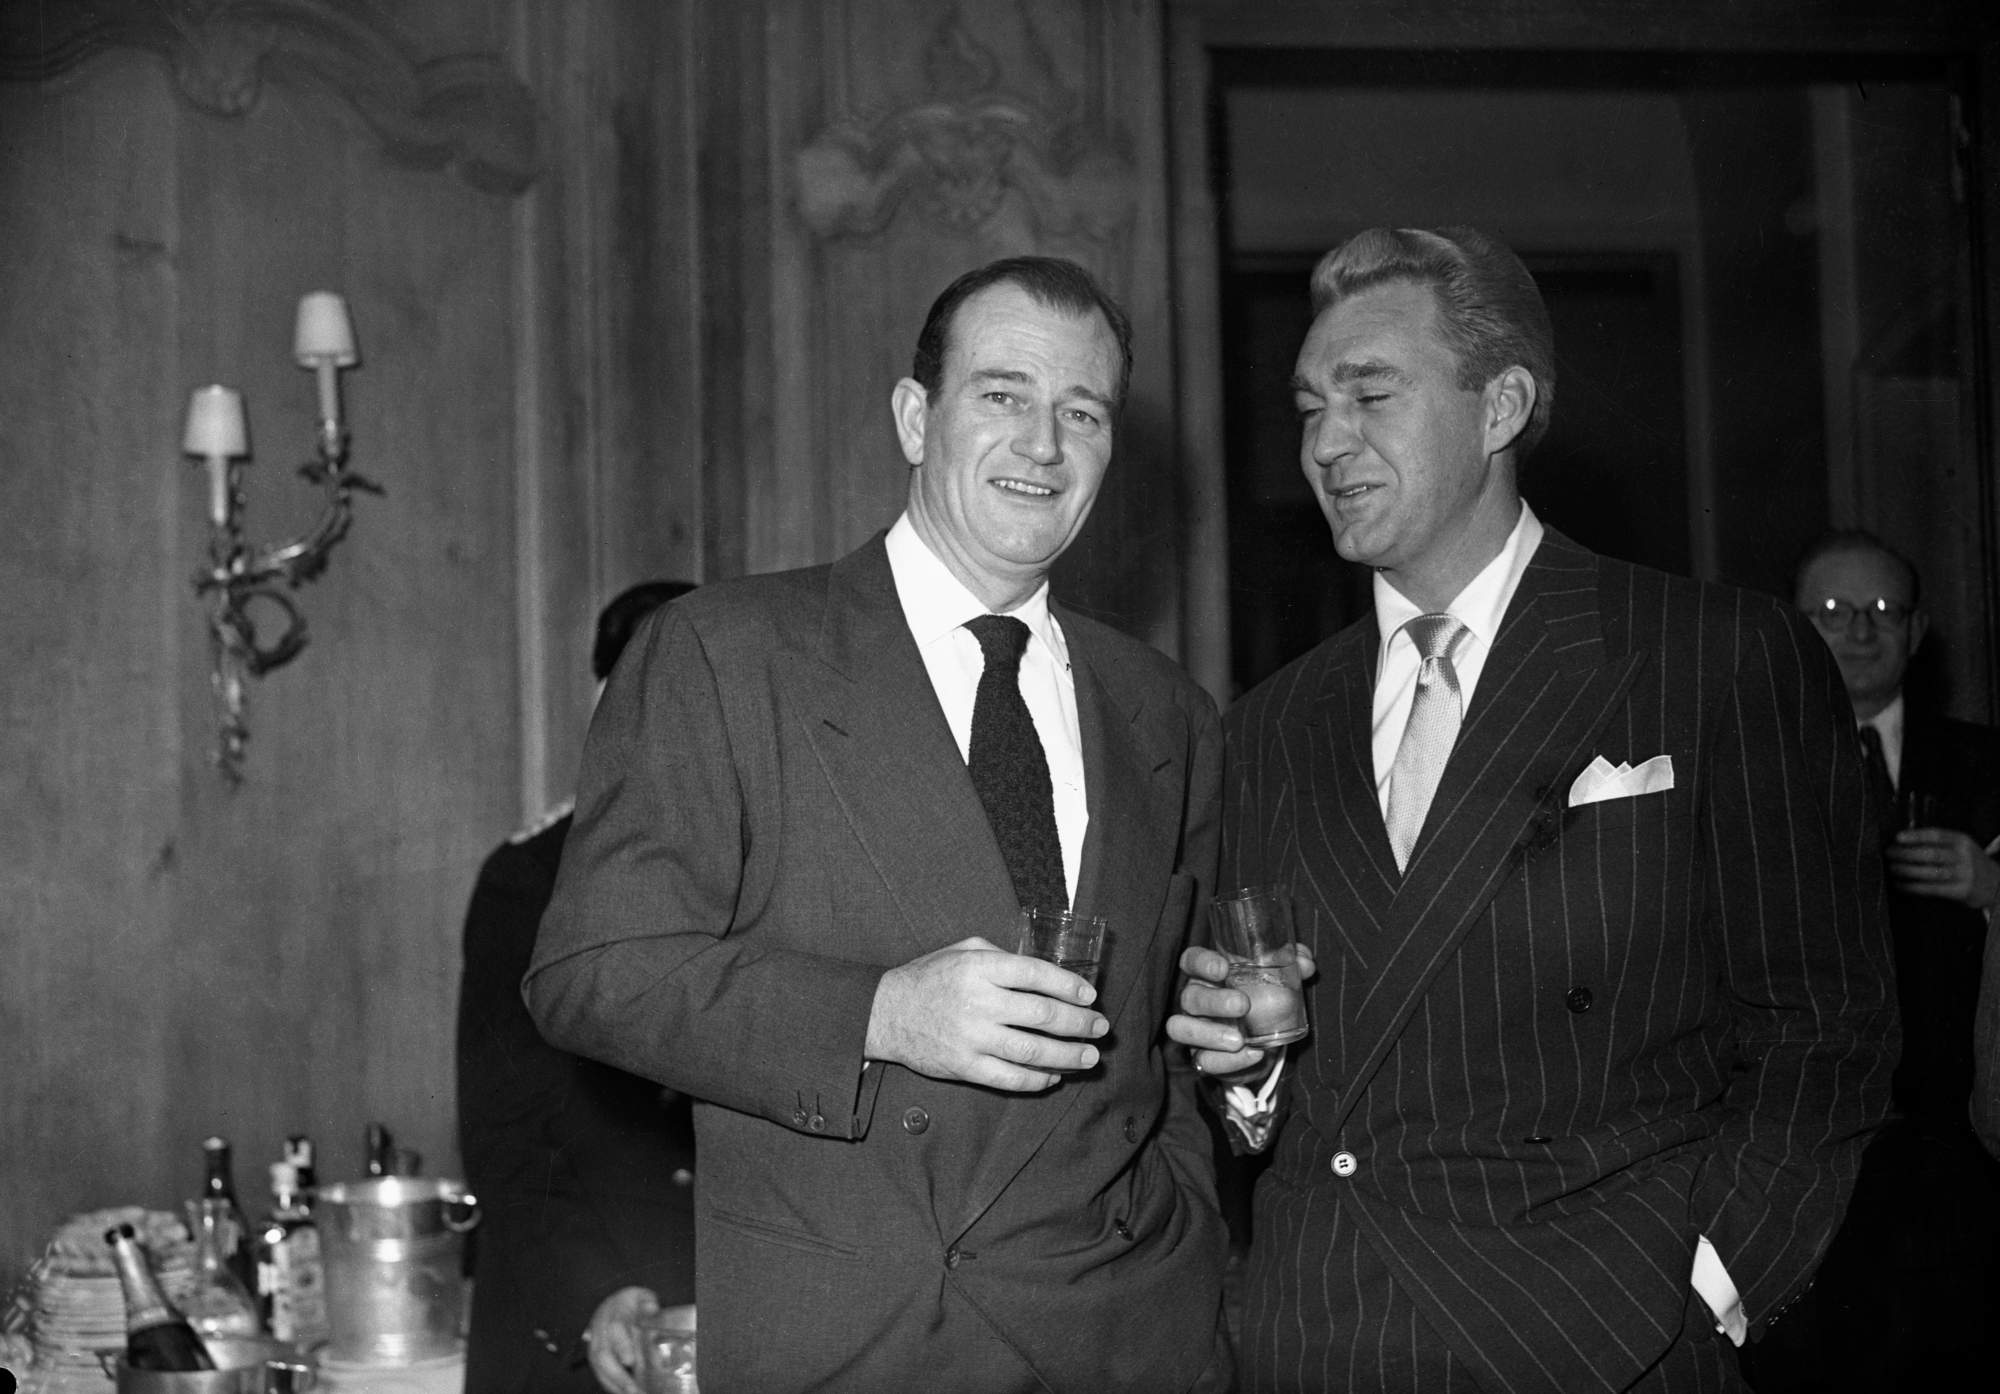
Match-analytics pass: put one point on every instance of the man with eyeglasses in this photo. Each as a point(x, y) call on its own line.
point(1909, 1296)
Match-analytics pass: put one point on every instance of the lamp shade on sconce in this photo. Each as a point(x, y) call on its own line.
point(325, 334)
point(324, 342)
point(215, 424)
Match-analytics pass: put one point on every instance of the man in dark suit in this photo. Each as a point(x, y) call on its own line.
point(1909, 1296)
point(1600, 1019)
point(584, 1173)
point(812, 806)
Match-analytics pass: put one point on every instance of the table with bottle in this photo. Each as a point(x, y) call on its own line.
point(349, 1286)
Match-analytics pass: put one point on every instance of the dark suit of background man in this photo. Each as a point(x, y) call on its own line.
point(1909, 1297)
point(583, 1172)
point(1594, 1048)
point(927, 1163)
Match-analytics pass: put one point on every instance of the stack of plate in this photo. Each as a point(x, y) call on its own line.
point(76, 1307)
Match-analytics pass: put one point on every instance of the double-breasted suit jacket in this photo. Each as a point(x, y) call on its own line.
point(772, 813)
point(1571, 1039)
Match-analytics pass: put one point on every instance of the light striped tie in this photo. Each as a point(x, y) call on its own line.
point(1428, 737)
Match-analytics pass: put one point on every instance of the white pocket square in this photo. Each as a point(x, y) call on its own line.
point(1603, 780)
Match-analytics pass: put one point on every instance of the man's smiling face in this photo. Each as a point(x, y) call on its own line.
point(1010, 450)
point(1398, 454)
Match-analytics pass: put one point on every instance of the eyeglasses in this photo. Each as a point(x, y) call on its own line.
point(1834, 616)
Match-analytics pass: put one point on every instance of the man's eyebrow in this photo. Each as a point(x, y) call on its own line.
point(980, 377)
point(1368, 370)
point(1013, 375)
point(1351, 371)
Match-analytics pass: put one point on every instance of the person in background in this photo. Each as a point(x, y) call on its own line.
point(813, 805)
point(1601, 1019)
point(1909, 1296)
point(584, 1173)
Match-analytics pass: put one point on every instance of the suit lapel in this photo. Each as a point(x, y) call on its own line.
point(893, 764)
point(1548, 688)
point(1351, 870)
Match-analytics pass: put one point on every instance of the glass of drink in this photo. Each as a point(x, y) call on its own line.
point(667, 1351)
point(1253, 928)
point(1917, 809)
point(1064, 938)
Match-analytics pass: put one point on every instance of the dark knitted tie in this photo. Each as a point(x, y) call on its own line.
point(1010, 771)
point(1879, 783)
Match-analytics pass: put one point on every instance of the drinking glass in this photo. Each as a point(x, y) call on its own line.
point(666, 1351)
point(1064, 938)
point(1253, 928)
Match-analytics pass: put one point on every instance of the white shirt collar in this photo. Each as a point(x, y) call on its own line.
point(1889, 721)
point(936, 603)
point(1483, 603)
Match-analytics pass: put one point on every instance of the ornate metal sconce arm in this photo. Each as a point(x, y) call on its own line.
point(239, 573)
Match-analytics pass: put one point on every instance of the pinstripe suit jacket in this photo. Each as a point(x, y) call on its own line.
point(773, 811)
point(1569, 1040)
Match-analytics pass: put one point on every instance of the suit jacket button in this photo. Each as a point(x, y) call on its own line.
point(1344, 1164)
point(799, 1117)
point(951, 1257)
point(683, 1177)
point(915, 1121)
point(1131, 1130)
point(817, 1122)
point(1578, 1000)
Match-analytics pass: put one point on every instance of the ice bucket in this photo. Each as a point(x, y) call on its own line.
point(395, 1288)
point(242, 1366)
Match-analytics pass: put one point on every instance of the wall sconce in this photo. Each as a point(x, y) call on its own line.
point(236, 572)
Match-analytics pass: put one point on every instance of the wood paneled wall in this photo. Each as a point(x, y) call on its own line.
point(178, 957)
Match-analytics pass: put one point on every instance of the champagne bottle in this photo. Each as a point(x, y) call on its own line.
point(219, 1186)
point(299, 1152)
point(217, 1304)
point(381, 1151)
point(291, 1277)
point(157, 1337)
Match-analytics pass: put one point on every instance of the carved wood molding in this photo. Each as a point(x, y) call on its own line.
point(955, 155)
point(466, 111)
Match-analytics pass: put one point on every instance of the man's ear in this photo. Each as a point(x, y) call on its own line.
point(911, 406)
point(1920, 625)
point(1509, 402)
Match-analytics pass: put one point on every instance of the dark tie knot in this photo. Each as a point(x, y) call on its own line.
point(1435, 635)
point(1001, 638)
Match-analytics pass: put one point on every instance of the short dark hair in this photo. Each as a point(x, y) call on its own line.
point(1835, 541)
point(617, 620)
point(1055, 282)
point(1489, 311)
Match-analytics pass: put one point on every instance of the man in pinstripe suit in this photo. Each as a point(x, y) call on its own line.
point(1602, 1014)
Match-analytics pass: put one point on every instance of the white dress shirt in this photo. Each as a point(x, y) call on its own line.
point(1888, 724)
point(936, 606)
point(1480, 607)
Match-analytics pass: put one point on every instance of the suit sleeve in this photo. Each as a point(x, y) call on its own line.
point(648, 957)
point(1796, 907)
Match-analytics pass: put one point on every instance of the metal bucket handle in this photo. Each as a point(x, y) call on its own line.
point(461, 1212)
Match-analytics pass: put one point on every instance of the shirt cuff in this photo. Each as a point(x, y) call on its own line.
point(1252, 1113)
point(1712, 1281)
